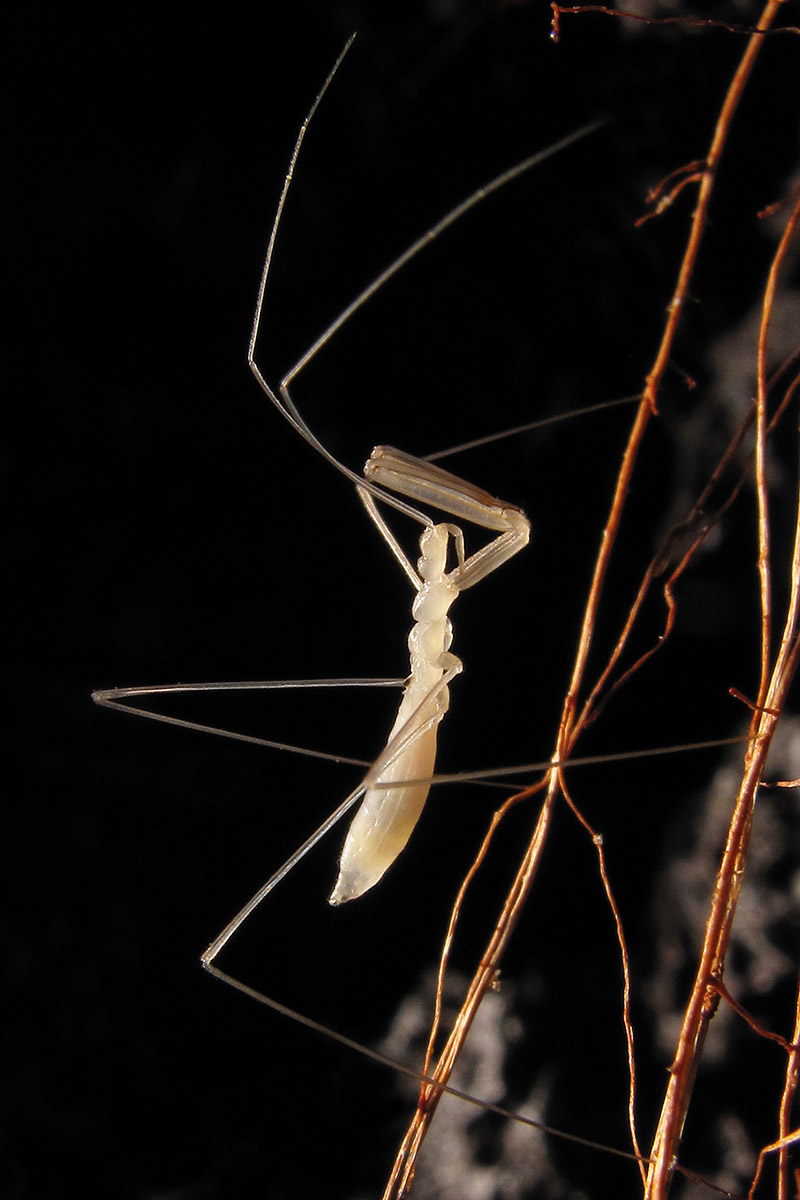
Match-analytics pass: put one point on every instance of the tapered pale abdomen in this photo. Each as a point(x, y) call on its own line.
point(385, 820)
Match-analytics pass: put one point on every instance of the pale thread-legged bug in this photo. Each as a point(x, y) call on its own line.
point(410, 750)
point(389, 808)
point(420, 726)
point(386, 817)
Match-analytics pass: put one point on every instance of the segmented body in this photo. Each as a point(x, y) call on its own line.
point(387, 816)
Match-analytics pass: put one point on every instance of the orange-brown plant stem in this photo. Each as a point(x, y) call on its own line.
point(787, 1098)
point(597, 841)
point(782, 1146)
point(773, 689)
point(568, 731)
point(604, 689)
point(653, 382)
point(695, 22)
point(704, 998)
point(485, 975)
point(497, 818)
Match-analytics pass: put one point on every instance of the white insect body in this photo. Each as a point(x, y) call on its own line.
point(387, 814)
point(384, 823)
point(395, 788)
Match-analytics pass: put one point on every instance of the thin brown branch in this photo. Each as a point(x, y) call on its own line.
point(691, 173)
point(483, 850)
point(787, 1099)
point(692, 22)
point(761, 444)
point(597, 842)
point(691, 170)
point(748, 1018)
point(772, 697)
point(483, 980)
point(653, 383)
point(706, 998)
point(782, 1145)
point(599, 696)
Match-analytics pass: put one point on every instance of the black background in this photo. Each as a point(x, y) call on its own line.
point(165, 524)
